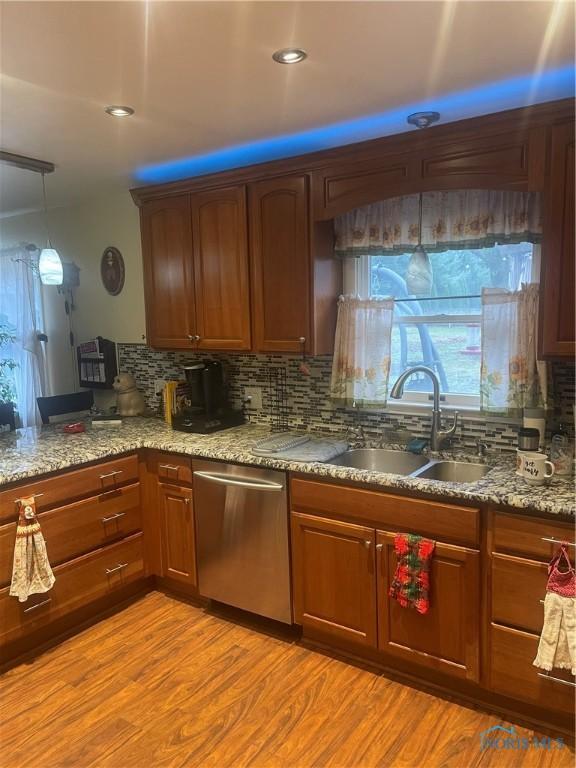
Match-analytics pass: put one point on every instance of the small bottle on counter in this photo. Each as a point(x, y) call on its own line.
point(562, 452)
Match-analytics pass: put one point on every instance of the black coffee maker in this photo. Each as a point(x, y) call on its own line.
point(206, 408)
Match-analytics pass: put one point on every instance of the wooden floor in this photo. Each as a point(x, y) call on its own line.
point(164, 683)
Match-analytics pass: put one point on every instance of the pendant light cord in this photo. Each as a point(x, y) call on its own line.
point(45, 209)
point(420, 221)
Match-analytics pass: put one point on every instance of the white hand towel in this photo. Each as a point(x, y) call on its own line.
point(31, 571)
point(557, 647)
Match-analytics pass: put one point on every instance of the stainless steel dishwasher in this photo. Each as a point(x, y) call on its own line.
point(242, 537)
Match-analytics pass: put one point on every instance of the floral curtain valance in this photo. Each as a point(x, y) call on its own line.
point(511, 377)
point(361, 361)
point(460, 219)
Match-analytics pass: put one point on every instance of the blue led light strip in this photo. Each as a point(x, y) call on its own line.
point(497, 96)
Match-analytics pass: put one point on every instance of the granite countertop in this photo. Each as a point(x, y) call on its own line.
point(31, 452)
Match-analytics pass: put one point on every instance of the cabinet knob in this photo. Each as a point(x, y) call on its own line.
point(302, 339)
point(367, 543)
point(379, 547)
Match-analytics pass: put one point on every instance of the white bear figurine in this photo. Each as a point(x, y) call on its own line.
point(130, 401)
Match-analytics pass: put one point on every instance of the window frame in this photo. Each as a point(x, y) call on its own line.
point(356, 281)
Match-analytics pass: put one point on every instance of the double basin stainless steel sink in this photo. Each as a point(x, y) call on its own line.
point(412, 465)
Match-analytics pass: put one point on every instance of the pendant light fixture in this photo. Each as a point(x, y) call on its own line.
point(49, 263)
point(419, 270)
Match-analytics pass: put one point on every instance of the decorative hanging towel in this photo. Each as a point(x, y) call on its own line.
point(557, 647)
point(411, 583)
point(31, 571)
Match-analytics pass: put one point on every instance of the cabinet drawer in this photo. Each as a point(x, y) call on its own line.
point(171, 467)
point(80, 527)
point(445, 522)
point(523, 535)
point(518, 586)
point(78, 583)
point(66, 486)
point(513, 674)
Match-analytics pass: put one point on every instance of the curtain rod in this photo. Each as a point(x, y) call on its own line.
point(439, 298)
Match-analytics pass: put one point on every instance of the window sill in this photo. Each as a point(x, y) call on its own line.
point(423, 409)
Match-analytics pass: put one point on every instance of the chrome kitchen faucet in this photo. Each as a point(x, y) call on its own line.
point(437, 434)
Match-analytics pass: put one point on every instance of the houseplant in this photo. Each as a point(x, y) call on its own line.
point(7, 391)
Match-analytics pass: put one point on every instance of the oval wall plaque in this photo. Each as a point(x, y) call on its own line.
point(112, 270)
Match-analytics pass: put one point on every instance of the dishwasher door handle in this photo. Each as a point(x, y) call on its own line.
point(255, 485)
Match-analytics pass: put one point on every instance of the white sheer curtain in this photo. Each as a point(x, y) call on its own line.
point(20, 313)
point(362, 352)
point(511, 377)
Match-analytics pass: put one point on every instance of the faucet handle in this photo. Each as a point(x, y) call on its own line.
point(452, 430)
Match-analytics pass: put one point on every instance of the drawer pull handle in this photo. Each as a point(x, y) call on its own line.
point(119, 567)
point(552, 540)
point(556, 679)
point(33, 495)
point(112, 517)
point(169, 467)
point(38, 605)
point(111, 474)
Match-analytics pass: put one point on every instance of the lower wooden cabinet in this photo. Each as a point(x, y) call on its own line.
point(334, 578)
point(342, 574)
point(446, 638)
point(177, 532)
point(518, 587)
point(78, 583)
point(72, 530)
point(513, 674)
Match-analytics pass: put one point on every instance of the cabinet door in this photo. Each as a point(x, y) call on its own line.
point(178, 540)
point(280, 261)
point(334, 578)
point(447, 637)
point(221, 268)
point(557, 302)
point(168, 279)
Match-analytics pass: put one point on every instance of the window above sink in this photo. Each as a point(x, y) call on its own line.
point(443, 331)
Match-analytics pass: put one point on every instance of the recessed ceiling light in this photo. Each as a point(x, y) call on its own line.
point(118, 110)
point(289, 55)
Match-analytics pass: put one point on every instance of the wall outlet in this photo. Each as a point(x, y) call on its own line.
point(254, 397)
point(159, 385)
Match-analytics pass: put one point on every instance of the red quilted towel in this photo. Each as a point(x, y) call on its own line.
point(411, 583)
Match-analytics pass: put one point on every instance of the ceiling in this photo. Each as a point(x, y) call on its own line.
point(201, 78)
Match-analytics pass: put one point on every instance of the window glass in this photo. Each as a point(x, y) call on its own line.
point(452, 349)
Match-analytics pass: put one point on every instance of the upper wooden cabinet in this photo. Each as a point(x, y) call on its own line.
point(168, 273)
point(294, 279)
point(280, 260)
point(199, 294)
point(195, 253)
point(509, 159)
point(558, 338)
point(220, 243)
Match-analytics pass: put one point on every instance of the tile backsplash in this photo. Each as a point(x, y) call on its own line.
point(309, 405)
